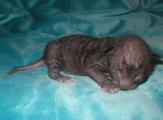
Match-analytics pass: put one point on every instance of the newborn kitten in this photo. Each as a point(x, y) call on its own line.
point(114, 63)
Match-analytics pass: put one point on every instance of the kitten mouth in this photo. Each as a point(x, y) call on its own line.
point(130, 88)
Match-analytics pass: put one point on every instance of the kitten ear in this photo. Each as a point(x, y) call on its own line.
point(158, 62)
point(155, 55)
point(156, 58)
point(109, 50)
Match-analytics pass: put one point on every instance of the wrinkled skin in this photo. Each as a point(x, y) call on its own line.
point(114, 63)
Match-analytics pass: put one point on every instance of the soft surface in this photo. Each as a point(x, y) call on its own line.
point(25, 28)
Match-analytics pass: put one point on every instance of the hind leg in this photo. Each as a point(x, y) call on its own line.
point(54, 68)
point(57, 76)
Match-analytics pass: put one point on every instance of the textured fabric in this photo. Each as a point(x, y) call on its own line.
point(26, 26)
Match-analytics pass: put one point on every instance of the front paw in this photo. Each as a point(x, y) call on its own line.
point(65, 79)
point(110, 89)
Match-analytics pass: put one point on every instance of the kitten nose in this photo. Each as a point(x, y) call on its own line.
point(127, 85)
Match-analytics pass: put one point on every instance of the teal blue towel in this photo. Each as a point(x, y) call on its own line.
point(26, 26)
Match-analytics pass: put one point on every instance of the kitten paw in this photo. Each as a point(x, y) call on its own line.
point(110, 89)
point(65, 79)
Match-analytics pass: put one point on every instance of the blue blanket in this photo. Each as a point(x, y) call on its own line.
point(26, 26)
